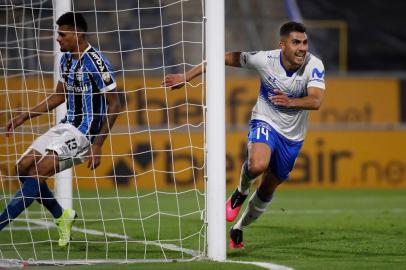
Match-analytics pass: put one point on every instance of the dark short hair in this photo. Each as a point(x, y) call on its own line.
point(290, 27)
point(75, 20)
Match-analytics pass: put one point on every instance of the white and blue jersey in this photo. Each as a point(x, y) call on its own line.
point(290, 123)
point(282, 129)
point(85, 81)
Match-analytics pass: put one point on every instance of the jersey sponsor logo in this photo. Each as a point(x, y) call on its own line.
point(318, 73)
point(76, 89)
point(253, 53)
point(98, 61)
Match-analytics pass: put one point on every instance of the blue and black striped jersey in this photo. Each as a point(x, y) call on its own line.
point(85, 82)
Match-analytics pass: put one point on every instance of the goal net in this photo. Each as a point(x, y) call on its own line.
point(147, 200)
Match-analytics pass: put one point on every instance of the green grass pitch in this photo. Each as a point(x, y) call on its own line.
point(302, 229)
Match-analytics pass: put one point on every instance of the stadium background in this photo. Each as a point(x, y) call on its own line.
point(343, 207)
point(354, 140)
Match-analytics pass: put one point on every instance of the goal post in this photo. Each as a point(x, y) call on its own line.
point(63, 180)
point(216, 176)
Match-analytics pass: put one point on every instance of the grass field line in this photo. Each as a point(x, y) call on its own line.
point(266, 265)
point(172, 247)
point(48, 225)
point(315, 211)
point(334, 211)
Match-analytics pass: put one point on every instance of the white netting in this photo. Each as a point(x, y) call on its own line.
point(146, 201)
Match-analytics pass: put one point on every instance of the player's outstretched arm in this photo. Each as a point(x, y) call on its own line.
point(48, 104)
point(113, 109)
point(175, 81)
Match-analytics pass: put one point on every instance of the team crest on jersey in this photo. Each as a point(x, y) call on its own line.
point(79, 76)
point(106, 77)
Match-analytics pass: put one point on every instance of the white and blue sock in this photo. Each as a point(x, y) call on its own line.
point(254, 210)
point(245, 179)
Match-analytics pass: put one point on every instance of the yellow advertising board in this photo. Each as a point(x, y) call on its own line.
point(356, 100)
point(359, 100)
point(19, 93)
point(337, 159)
point(329, 159)
point(158, 140)
point(175, 160)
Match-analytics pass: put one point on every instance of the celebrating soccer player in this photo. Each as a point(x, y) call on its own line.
point(88, 86)
point(292, 82)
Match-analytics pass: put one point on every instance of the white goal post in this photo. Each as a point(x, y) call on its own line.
point(159, 194)
point(63, 180)
point(216, 189)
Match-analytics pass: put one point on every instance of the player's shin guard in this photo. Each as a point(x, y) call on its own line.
point(245, 179)
point(255, 209)
point(23, 198)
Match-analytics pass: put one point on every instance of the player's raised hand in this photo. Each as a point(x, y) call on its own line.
point(280, 98)
point(94, 156)
point(174, 81)
point(15, 122)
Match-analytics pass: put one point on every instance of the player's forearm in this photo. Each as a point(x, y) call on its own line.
point(196, 71)
point(46, 105)
point(306, 103)
point(231, 59)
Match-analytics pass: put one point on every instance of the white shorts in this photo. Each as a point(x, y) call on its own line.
point(67, 141)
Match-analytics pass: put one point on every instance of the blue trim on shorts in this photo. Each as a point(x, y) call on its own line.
point(283, 151)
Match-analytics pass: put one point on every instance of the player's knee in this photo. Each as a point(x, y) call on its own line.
point(22, 168)
point(39, 173)
point(256, 166)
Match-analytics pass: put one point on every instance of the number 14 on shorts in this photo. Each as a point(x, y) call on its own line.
point(262, 131)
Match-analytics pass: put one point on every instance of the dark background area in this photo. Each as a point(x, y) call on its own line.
point(376, 32)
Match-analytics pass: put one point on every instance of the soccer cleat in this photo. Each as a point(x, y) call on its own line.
point(64, 226)
point(235, 239)
point(233, 205)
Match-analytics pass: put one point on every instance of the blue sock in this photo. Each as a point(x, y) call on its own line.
point(23, 198)
point(264, 199)
point(48, 200)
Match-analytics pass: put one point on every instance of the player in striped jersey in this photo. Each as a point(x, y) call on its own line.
point(88, 87)
point(292, 83)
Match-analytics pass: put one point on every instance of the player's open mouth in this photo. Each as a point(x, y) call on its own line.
point(300, 57)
